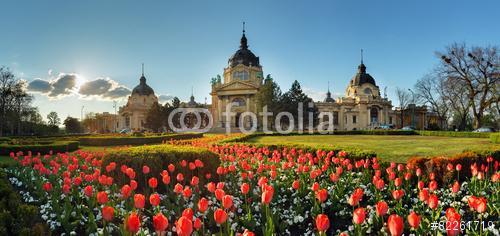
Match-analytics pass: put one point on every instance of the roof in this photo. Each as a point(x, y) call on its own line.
point(362, 77)
point(243, 55)
point(143, 88)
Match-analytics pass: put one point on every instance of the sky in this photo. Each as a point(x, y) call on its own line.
point(88, 54)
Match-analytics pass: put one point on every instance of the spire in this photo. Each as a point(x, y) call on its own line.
point(243, 41)
point(328, 94)
point(143, 78)
point(362, 67)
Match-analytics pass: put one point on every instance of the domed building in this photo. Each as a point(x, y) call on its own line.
point(133, 115)
point(242, 79)
point(361, 108)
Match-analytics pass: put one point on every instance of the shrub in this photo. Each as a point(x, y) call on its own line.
point(453, 134)
point(132, 140)
point(495, 137)
point(56, 147)
point(158, 157)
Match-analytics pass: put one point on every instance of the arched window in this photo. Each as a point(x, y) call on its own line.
point(368, 91)
point(239, 102)
point(241, 75)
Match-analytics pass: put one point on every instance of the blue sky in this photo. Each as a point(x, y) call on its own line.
point(185, 43)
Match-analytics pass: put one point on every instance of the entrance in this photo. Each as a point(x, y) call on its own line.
point(237, 120)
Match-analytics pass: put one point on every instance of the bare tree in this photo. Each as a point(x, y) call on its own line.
point(404, 98)
point(430, 91)
point(478, 70)
point(456, 97)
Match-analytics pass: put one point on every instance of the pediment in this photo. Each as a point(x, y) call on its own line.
point(237, 85)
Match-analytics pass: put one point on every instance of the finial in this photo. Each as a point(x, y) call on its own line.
point(328, 86)
point(142, 69)
point(192, 91)
point(243, 27)
point(361, 56)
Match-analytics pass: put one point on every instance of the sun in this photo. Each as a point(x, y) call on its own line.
point(80, 80)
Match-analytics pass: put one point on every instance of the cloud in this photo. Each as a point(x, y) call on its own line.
point(165, 98)
point(118, 92)
point(73, 84)
point(63, 85)
point(99, 86)
point(40, 86)
point(319, 95)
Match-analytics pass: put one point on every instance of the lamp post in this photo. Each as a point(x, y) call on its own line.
point(412, 108)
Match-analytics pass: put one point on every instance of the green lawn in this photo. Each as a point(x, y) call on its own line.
point(388, 147)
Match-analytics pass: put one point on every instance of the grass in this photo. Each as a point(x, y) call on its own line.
point(397, 148)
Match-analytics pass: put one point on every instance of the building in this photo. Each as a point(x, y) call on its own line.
point(419, 117)
point(362, 107)
point(242, 79)
point(100, 123)
point(133, 115)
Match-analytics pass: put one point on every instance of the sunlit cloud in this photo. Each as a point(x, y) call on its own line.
point(165, 98)
point(319, 95)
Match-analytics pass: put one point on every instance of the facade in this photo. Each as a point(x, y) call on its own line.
point(242, 79)
point(132, 116)
point(101, 123)
point(361, 108)
point(418, 117)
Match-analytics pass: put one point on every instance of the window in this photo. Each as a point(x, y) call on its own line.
point(368, 91)
point(239, 102)
point(354, 119)
point(374, 115)
point(335, 117)
point(241, 75)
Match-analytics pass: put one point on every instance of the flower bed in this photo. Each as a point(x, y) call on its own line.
point(256, 189)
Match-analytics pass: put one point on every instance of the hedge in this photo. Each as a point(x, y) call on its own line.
point(495, 138)
point(56, 147)
point(16, 217)
point(158, 157)
point(131, 140)
point(453, 134)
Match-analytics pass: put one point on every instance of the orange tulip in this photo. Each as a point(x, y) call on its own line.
point(322, 222)
point(160, 222)
point(220, 216)
point(395, 224)
point(359, 215)
point(413, 220)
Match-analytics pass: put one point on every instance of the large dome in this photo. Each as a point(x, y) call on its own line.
point(243, 55)
point(143, 88)
point(362, 77)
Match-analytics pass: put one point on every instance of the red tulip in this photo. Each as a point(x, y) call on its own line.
point(165, 179)
point(395, 224)
point(267, 196)
point(382, 208)
point(296, 184)
point(139, 201)
point(245, 187)
point(227, 201)
point(321, 195)
point(154, 199)
point(133, 184)
point(188, 212)
point(133, 223)
point(219, 193)
point(180, 177)
point(456, 187)
point(433, 201)
point(379, 184)
point(315, 186)
point(102, 197)
point(160, 222)
point(107, 213)
point(184, 226)
point(47, 186)
point(458, 167)
point(153, 182)
point(89, 192)
point(171, 168)
point(413, 220)
point(220, 216)
point(202, 205)
point(453, 220)
point(145, 169)
point(194, 181)
point(398, 194)
point(126, 191)
point(248, 233)
point(187, 192)
point(197, 224)
point(322, 222)
point(359, 215)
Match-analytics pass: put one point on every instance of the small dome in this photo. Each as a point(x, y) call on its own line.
point(329, 97)
point(362, 77)
point(243, 55)
point(143, 88)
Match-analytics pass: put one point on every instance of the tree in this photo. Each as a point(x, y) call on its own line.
point(269, 95)
point(53, 119)
point(430, 91)
point(404, 99)
point(155, 118)
point(176, 103)
point(456, 97)
point(72, 125)
point(477, 68)
point(290, 102)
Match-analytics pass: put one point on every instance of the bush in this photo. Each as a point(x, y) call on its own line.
point(158, 157)
point(453, 134)
point(131, 140)
point(17, 218)
point(56, 147)
point(495, 137)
